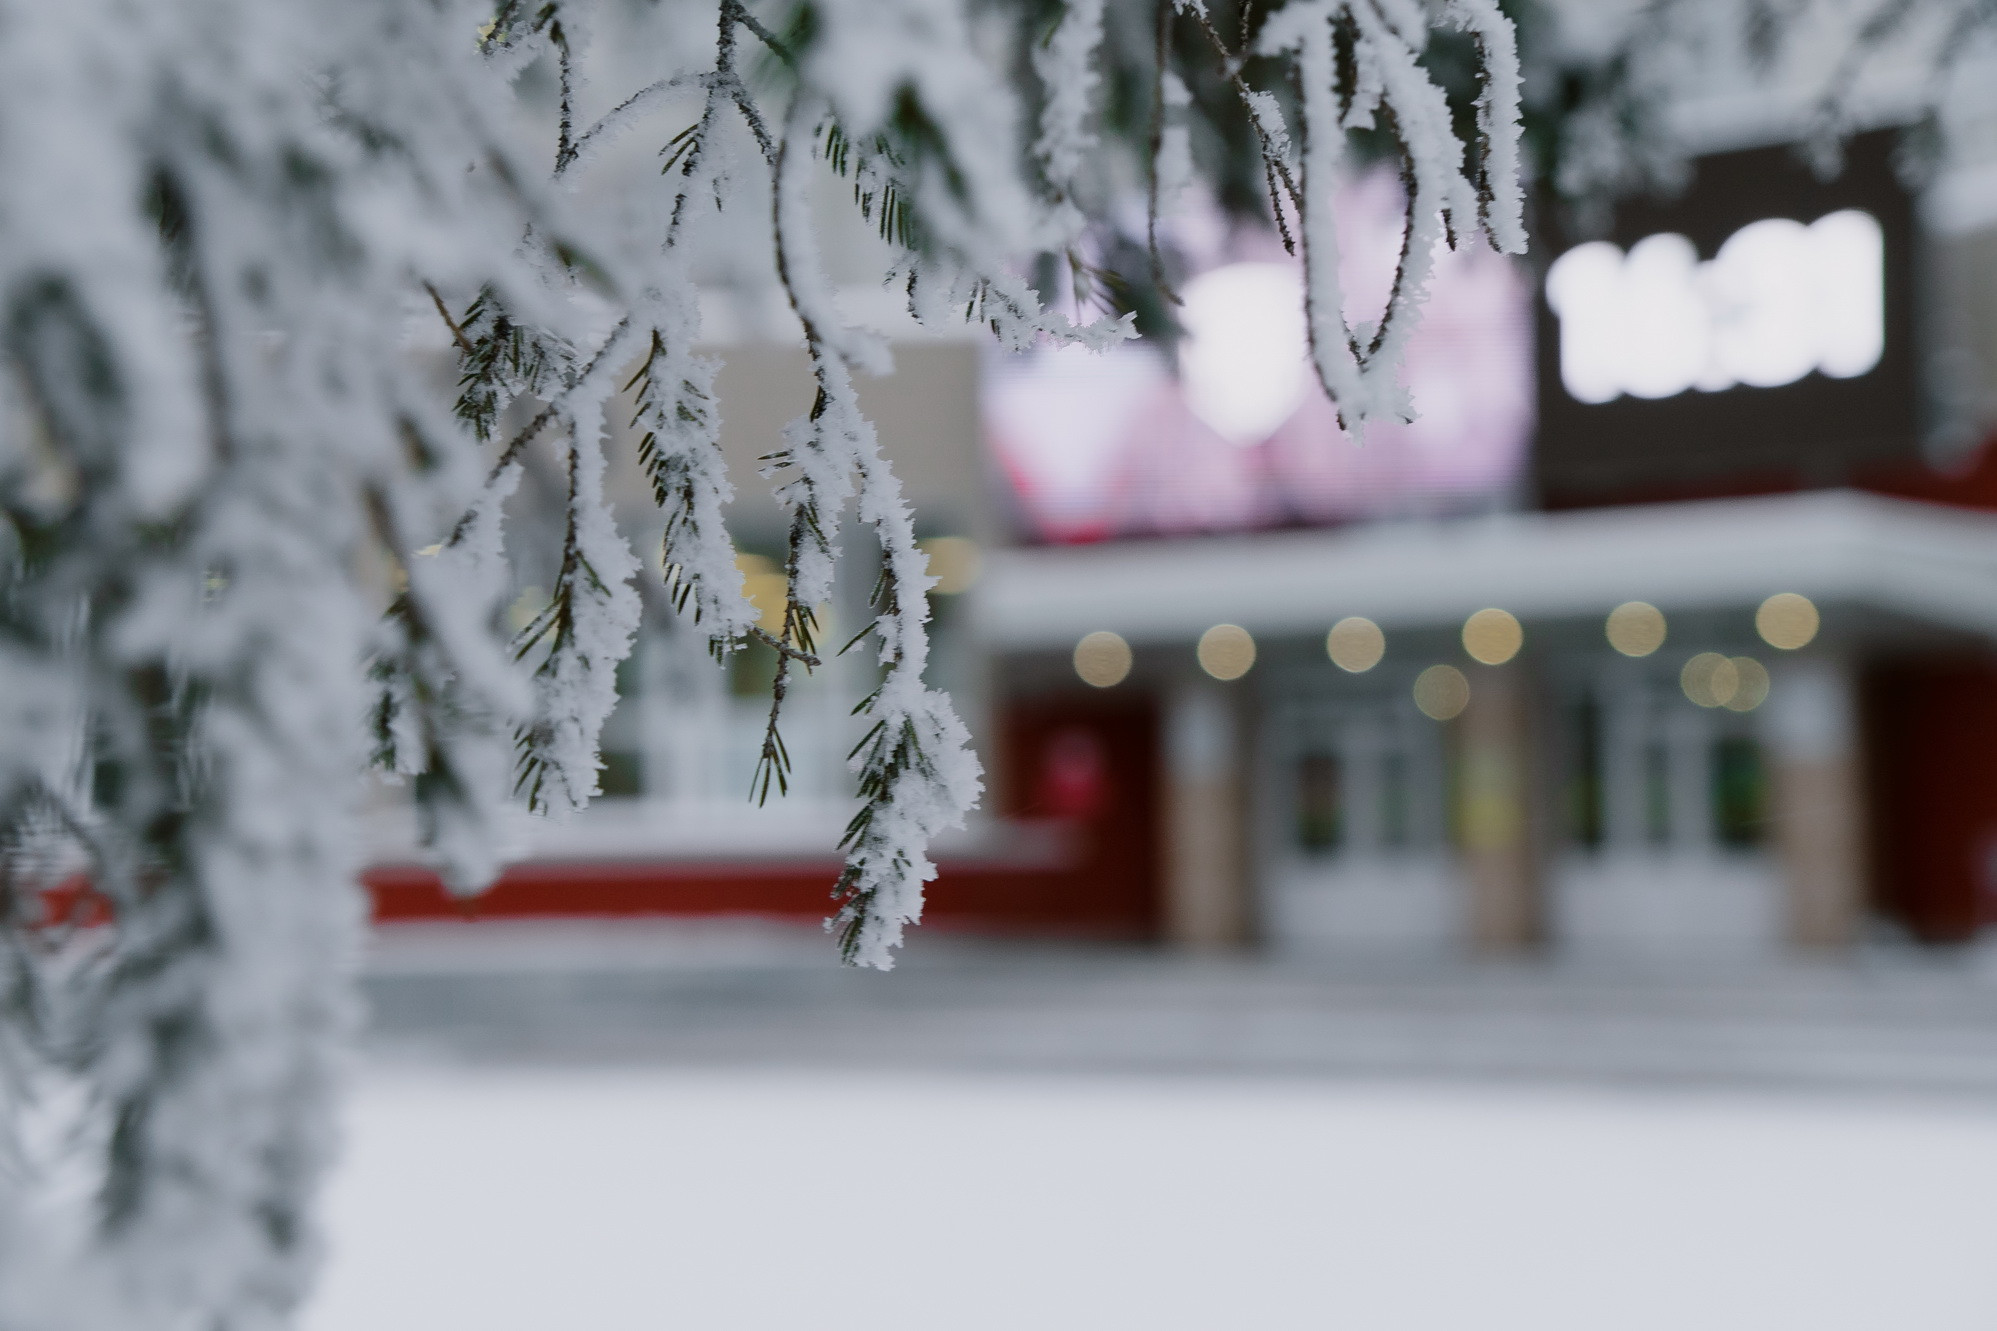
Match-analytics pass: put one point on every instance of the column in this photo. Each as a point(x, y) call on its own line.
point(1498, 811)
point(1205, 832)
point(1818, 798)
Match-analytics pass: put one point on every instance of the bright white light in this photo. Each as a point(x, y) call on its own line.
point(1584, 287)
point(1245, 358)
point(1851, 312)
point(1779, 300)
point(1664, 352)
point(1759, 289)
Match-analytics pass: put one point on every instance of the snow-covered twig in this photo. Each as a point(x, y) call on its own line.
point(220, 459)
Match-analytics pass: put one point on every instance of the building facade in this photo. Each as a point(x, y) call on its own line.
point(1667, 630)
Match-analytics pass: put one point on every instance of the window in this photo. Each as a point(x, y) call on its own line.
point(1396, 800)
point(1584, 774)
point(1320, 827)
point(1740, 793)
point(623, 769)
point(1656, 793)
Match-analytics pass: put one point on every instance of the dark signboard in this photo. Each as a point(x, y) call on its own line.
point(1757, 331)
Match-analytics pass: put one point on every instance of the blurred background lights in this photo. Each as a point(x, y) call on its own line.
point(764, 584)
point(1442, 692)
point(1116, 443)
point(1226, 651)
point(1787, 621)
point(1663, 353)
point(1751, 689)
point(1244, 361)
point(1851, 313)
point(1738, 683)
point(1102, 659)
point(1355, 644)
point(1709, 679)
point(1777, 301)
point(954, 562)
point(1636, 628)
point(1492, 636)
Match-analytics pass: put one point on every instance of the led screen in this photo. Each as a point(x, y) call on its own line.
point(1780, 300)
point(1235, 434)
point(1753, 332)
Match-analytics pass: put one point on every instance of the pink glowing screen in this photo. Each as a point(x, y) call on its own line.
point(1096, 446)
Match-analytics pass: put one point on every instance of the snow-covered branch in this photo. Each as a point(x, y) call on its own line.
point(249, 544)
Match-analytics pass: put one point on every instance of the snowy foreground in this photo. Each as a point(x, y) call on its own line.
point(730, 1201)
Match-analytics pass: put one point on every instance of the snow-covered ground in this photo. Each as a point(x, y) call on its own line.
point(566, 1199)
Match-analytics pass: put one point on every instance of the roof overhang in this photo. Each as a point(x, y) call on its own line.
point(1936, 565)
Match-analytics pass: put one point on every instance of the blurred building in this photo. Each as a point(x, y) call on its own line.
point(1667, 626)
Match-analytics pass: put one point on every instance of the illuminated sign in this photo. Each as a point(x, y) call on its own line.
point(1236, 434)
point(1778, 301)
point(1755, 331)
point(1244, 364)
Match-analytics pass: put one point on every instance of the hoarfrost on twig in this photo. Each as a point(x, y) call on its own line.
point(216, 450)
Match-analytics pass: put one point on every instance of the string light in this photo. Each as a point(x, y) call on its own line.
point(1442, 692)
point(1787, 621)
point(1636, 628)
point(1492, 636)
point(1355, 644)
point(1102, 659)
point(1226, 651)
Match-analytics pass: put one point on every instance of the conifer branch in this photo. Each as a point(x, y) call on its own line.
point(510, 454)
point(457, 329)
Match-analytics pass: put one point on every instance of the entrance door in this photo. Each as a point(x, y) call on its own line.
point(1931, 746)
point(1087, 768)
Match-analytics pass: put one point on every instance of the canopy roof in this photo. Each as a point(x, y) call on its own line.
point(1933, 564)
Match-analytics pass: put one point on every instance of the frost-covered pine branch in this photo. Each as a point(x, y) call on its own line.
point(1827, 68)
point(251, 544)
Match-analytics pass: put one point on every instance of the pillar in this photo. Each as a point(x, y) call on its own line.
point(1205, 825)
point(1818, 798)
point(1498, 811)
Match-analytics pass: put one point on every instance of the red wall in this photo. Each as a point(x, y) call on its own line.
point(1932, 753)
point(1078, 783)
point(1093, 758)
point(1973, 484)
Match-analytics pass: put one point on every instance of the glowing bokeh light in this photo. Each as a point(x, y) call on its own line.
point(766, 588)
point(1709, 679)
point(1102, 659)
point(1636, 628)
point(1787, 621)
point(1226, 651)
point(1122, 442)
point(1776, 302)
point(954, 562)
point(1244, 362)
point(1751, 689)
point(1355, 644)
point(1442, 692)
point(1492, 636)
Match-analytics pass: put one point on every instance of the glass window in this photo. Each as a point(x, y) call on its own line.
point(1396, 800)
point(1584, 774)
point(752, 670)
point(623, 769)
point(1656, 793)
point(1320, 804)
point(622, 774)
point(1740, 793)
